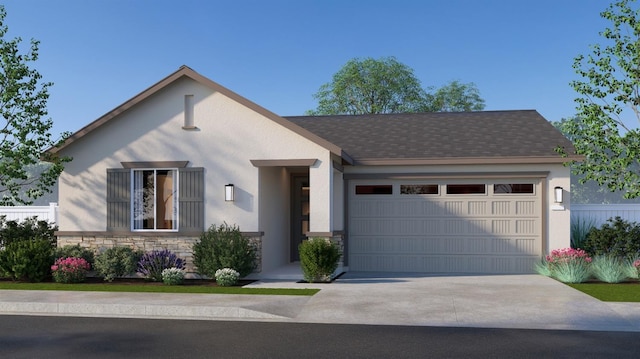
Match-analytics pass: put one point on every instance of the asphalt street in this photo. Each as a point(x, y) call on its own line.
point(67, 337)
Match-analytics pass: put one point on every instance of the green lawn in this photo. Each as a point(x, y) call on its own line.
point(191, 289)
point(609, 292)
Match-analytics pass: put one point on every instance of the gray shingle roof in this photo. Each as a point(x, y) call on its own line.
point(442, 135)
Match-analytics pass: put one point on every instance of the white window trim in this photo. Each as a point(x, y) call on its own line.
point(177, 199)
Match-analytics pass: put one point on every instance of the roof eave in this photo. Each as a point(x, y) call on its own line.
point(464, 161)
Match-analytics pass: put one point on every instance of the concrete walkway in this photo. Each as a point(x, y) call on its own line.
point(501, 301)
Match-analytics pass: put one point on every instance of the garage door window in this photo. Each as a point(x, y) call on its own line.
point(374, 189)
point(513, 188)
point(466, 189)
point(419, 189)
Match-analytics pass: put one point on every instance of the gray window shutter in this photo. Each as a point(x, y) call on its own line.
point(191, 199)
point(118, 199)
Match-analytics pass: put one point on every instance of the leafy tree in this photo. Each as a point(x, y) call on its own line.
point(610, 93)
point(385, 85)
point(371, 86)
point(457, 97)
point(24, 130)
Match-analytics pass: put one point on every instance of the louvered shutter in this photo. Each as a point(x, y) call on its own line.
point(118, 199)
point(191, 199)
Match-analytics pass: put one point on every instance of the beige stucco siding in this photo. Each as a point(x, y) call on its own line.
point(227, 137)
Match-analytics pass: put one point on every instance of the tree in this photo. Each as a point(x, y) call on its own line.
point(24, 135)
point(371, 86)
point(610, 93)
point(457, 97)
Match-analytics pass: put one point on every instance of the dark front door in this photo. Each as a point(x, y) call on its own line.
point(299, 213)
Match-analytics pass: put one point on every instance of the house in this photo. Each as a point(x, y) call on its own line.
point(471, 192)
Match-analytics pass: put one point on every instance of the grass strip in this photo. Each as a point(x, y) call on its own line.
point(187, 289)
point(610, 292)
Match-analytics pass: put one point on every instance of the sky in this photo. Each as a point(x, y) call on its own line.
point(277, 53)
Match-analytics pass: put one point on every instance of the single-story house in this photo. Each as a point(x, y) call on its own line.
point(472, 192)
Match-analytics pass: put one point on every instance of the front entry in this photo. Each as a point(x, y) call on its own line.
point(299, 213)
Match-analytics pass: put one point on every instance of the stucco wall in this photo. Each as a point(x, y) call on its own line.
point(227, 137)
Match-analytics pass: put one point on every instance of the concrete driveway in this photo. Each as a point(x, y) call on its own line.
point(491, 301)
point(500, 301)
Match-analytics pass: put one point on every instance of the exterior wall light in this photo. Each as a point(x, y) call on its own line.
point(229, 193)
point(558, 194)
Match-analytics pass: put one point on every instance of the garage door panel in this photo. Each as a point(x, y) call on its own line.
point(405, 246)
point(477, 233)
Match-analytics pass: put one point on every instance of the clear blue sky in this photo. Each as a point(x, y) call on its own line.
point(277, 53)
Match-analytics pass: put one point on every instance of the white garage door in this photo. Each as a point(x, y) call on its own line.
point(458, 226)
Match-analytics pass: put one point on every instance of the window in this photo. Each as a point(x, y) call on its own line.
point(136, 198)
point(514, 188)
point(155, 199)
point(374, 189)
point(466, 189)
point(419, 189)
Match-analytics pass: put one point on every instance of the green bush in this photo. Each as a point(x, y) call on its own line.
point(117, 262)
point(319, 259)
point(75, 251)
point(224, 247)
point(14, 231)
point(28, 260)
point(617, 237)
point(609, 268)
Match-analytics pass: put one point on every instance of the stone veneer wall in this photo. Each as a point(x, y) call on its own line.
point(180, 245)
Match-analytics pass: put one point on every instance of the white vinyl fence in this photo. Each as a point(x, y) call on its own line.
point(20, 213)
point(600, 213)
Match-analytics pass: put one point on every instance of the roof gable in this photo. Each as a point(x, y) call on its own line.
point(185, 71)
point(442, 137)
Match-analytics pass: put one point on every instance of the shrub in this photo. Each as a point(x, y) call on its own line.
point(28, 260)
point(319, 259)
point(227, 277)
point(173, 276)
point(29, 229)
point(223, 247)
point(70, 269)
point(580, 228)
point(573, 271)
point(152, 264)
point(633, 268)
point(75, 251)
point(542, 267)
point(567, 265)
point(609, 268)
point(617, 237)
point(117, 262)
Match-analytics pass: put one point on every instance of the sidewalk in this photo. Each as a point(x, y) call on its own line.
point(509, 301)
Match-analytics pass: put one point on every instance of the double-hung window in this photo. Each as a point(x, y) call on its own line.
point(155, 199)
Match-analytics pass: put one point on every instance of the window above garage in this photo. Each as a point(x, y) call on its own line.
point(466, 188)
point(374, 189)
point(513, 188)
point(419, 189)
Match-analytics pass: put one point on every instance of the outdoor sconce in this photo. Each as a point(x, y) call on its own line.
point(558, 194)
point(229, 193)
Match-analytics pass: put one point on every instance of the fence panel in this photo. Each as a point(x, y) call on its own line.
point(600, 213)
point(20, 213)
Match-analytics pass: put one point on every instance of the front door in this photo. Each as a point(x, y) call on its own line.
point(299, 213)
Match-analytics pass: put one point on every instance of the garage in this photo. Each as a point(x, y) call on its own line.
point(483, 225)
